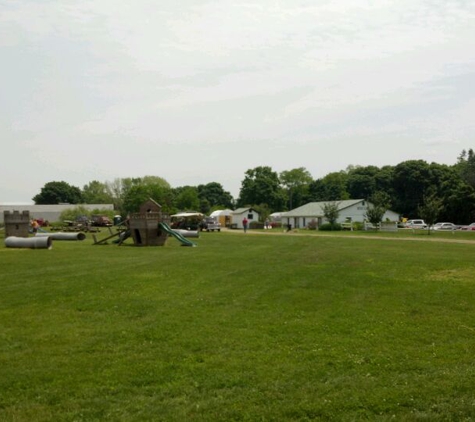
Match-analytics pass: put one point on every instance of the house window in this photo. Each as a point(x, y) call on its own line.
point(250, 216)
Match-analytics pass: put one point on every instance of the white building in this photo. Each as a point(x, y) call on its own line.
point(239, 214)
point(350, 210)
point(223, 216)
point(50, 212)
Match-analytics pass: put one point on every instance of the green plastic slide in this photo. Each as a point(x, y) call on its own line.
point(178, 236)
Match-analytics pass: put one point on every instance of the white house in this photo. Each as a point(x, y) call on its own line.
point(350, 210)
point(239, 214)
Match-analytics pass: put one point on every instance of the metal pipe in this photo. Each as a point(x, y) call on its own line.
point(63, 236)
point(187, 233)
point(29, 242)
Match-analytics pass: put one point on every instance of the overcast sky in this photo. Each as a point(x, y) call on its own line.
point(200, 91)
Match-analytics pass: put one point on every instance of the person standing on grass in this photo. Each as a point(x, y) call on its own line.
point(244, 224)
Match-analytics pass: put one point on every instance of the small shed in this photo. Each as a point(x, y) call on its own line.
point(223, 216)
point(241, 213)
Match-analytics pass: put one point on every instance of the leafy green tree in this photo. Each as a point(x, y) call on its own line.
point(96, 192)
point(186, 198)
point(430, 209)
point(466, 167)
point(58, 193)
point(374, 214)
point(215, 195)
point(381, 199)
point(136, 196)
point(120, 189)
point(152, 181)
point(458, 203)
point(263, 210)
point(261, 185)
point(331, 212)
point(411, 180)
point(361, 181)
point(332, 187)
point(139, 193)
point(117, 190)
point(384, 180)
point(205, 206)
point(378, 204)
point(296, 182)
point(457, 196)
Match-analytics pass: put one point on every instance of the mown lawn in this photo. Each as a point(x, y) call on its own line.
point(242, 327)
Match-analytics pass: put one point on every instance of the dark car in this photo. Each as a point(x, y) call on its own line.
point(469, 227)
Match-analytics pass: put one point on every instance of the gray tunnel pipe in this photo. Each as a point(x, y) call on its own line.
point(187, 233)
point(63, 236)
point(29, 242)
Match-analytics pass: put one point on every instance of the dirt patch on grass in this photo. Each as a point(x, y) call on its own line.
point(297, 232)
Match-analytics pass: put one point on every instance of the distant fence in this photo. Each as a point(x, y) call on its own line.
point(384, 226)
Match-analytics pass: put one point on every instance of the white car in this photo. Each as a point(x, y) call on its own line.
point(415, 224)
point(444, 226)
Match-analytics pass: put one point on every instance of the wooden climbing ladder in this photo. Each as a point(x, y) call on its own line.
point(111, 236)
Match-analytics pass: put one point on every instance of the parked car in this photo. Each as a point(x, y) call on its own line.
point(210, 224)
point(415, 224)
point(82, 219)
point(444, 226)
point(101, 221)
point(469, 227)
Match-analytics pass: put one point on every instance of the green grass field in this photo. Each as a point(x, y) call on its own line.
point(242, 327)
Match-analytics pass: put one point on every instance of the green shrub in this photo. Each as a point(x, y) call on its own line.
point(74, 212)
point(330, 227)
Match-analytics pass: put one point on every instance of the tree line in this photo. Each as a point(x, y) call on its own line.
point(404, 188)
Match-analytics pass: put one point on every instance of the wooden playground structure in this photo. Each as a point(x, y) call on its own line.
point(148, 227)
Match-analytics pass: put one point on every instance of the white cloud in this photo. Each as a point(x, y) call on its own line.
point(134, 81)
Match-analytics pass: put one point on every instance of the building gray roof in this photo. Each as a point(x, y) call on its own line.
point(315, 209)
point(242, 210)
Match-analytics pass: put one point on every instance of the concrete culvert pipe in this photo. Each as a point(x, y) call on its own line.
point(187, 233)
point(63, 236)
point(29, 242)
